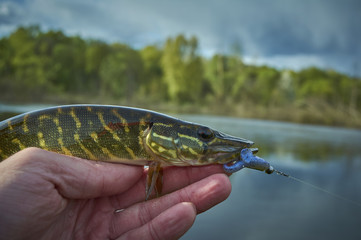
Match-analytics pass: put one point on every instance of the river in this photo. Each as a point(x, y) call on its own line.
point(267, 207)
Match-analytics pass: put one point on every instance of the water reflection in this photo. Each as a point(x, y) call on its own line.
point(274, 207)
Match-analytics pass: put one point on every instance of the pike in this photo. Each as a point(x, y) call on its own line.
point(127, 135)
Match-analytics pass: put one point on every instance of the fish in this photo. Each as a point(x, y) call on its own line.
point(127, 135)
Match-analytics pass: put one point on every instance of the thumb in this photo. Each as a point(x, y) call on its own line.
point(78, 178)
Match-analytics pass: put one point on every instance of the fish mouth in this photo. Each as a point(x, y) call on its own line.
point(223, 158)
point(228, 141)
point(225, 148)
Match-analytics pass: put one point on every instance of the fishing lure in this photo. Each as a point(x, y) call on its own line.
point(127, 135)
point(248, 160)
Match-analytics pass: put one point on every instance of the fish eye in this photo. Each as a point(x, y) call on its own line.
point(205, 133)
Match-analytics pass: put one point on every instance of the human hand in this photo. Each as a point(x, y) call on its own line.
point(44, 195)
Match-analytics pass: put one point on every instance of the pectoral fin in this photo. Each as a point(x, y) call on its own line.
point(154, 180)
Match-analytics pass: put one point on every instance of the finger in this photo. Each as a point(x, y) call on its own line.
point(78, 178)
point(170, 224)
point(204, 194)
point(174, 178)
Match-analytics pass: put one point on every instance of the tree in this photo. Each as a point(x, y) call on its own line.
point(69, 66)
point(313, 83)
point(266, 87)
point(27, 67)
point(95, 54)
point(6, 69)
point(153, 84)
point(183, 70)
point(222, 71)
point(121, 72)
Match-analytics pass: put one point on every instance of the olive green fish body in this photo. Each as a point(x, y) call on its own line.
point(118, 134)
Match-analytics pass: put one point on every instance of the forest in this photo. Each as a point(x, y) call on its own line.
point(50, 67)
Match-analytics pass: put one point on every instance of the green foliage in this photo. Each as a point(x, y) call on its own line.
point(153, 85)
point(95, 53)
point(222, 72)
point(121, 72)
point(36, 65)
point(183, 70)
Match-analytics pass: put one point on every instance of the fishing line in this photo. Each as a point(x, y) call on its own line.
point(319, 188)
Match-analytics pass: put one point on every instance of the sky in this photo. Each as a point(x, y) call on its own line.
point(290, 34)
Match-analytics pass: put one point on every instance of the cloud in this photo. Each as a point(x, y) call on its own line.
point(323, 33)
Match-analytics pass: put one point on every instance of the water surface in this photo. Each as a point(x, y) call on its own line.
point(270, 207)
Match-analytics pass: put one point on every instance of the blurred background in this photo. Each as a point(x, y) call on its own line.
point(295, 66)
point(281, 60)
